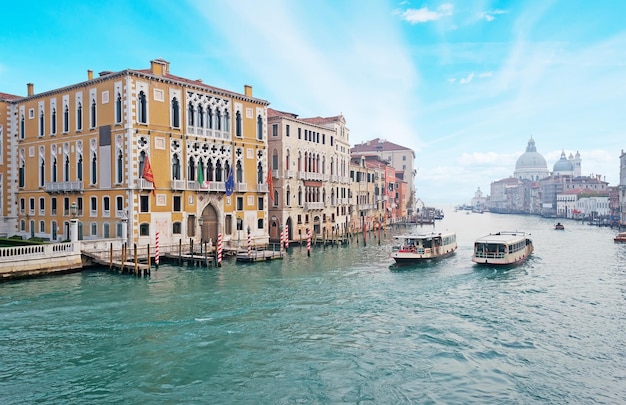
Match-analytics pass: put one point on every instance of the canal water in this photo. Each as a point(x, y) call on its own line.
point(343, 326)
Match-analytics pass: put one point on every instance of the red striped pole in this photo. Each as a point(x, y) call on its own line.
point(219, 250)
point(286, 236)
point(249, 243)
point(282, 240)
point(156, 251)
point(308, 242)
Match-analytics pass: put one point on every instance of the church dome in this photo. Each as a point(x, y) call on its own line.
point(531, 159)
point(563, 165)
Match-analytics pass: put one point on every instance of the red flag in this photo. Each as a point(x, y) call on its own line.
point(147, 173)
point(270, 185)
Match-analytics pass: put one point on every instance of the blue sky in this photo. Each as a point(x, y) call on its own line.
point(462, 83)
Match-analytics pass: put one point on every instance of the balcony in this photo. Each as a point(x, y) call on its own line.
point(64, 187)
point(275, 174)
point(314, 205)
point(241, 187)
point(143, 184)
point(178, 185)
point(262, 188)
point(289, 174)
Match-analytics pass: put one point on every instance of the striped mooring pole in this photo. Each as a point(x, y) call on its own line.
point(219, 250)
point(156, 251)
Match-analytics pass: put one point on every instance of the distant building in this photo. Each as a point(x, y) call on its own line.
point(479, 201)
point(531, 165)
point(400, 157)
point(622, 189)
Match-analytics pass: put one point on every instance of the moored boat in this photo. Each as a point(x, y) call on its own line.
point(620, 237)
point(559, 226)
point(502, 248)
point(415, 248)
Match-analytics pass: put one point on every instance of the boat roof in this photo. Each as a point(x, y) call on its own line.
point(424, 235)
point(502, 237)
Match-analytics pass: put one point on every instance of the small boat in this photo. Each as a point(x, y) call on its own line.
point(620, 237)
point(415, 248)
point(502, 248)
point(559, 226)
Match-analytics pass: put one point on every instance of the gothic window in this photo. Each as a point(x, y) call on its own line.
point(120, 167)
point(94, 169)
point(66, 119)
point(259, 127)
point(191, 115)
point(42, 172)
point(41, 123)
point(92, 123)
point(79, 168)
point(209, 170)
point(142, 159)
point(209, 118)
point(175, 113)
point(175, 167)
point(66, 169)
point(218, 119)
point(53, 122)
point(118, 109)
point(191, 169)
point(219, 171)
point(238, 123)
point(226, 121)
point(259, 174)
point(239, 172)
point(22, 127)
point(79, 117)
point(200, 116)
point(142, 108)
point(54, 169)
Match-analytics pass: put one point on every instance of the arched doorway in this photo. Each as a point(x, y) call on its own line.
point(209, 227)
point(317, 225)
point(274, 230)
point(289, 225)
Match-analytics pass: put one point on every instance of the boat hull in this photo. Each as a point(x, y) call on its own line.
point(412, 258)
point(518, 258)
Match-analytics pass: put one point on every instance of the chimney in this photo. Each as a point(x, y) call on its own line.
point(247, 90)
point(159, 67)
point(31, 89)
point(90, 75)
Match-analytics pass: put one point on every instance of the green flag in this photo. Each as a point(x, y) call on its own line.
point(200, 175)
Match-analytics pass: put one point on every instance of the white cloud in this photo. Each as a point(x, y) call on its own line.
point(490, 15)
point(468, 79)
point(485, 75)
point(422, 15)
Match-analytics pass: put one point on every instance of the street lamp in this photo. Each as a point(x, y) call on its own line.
point(200, 223)
point(74, 209)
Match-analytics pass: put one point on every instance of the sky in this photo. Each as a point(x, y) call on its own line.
point(464, 84)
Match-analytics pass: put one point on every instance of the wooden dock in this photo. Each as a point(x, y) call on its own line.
point(118, 264)
point(258, 255)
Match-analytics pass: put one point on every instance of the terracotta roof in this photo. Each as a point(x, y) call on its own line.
point(322, 120)
point(7, 96)
point(376, 145)
point(275, 113)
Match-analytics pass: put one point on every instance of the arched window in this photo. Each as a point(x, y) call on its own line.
point(118, 109)
point(238, 123)
point(120, 167)
point(259, 173)
point(226, 121)
point(22, 127)
point(300, 196)
point(200, 116)
point(53, 122)
point(288, 197)
point(54, 169)
point(209, 118)
point(219, 171)
point(175, 167)
point(218, 119)
point(66, 119)
point(66, 169)
point(239, 172)
point(275, 198)
point(94, 169)
point(191, 114)
point(42, 172)
point(142, 108)
point(209, 170)
point(79, 117)
point(93, 114)
point(259, 127)
point(41, 123)
point(191, 169)
point(175, 113)
point(79, 168)
point(142, 160)
point(274, 159)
